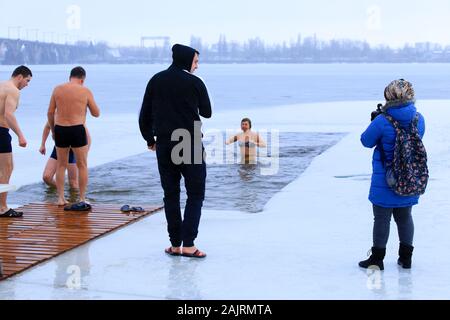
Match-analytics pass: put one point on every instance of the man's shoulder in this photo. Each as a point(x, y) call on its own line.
point(195, 78)
point(8, 87)
point(86, 90)
point(10, 90)
point(60, 87)
point(160, 75)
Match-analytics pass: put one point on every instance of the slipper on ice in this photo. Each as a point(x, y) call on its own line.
point(170, 252)
point(79, 207)
point(197, 254)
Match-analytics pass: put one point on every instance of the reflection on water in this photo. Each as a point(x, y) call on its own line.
point(405, 284)
point(135, 180)
point(183, 279)
point(72, 269)
point(247, 172)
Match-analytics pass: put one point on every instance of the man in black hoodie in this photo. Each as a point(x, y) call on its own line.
point(174, 101)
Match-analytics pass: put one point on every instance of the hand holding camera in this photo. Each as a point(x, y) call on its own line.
point(376, 113)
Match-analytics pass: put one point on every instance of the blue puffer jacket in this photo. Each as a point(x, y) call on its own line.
point(382, 131)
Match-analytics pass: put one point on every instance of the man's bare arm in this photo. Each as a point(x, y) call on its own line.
point(51, 113)
point(92, 105)
point(233, 139)
point(45, 135)
point(11, 103)
point(260, 142)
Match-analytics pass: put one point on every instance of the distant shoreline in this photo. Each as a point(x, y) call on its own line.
point(238, 63)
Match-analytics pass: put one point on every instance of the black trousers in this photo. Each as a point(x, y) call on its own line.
point(405, 224)
point(182, 230)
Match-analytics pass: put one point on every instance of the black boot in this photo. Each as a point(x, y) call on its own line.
point(375, 260)
point(405, 252)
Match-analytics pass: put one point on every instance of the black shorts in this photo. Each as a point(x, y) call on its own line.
point(70, 137)
point(5, 141)
point(71, 156)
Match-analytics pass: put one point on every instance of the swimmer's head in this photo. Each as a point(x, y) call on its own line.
point(22, 77)
point(246, 124)
point(78, 74)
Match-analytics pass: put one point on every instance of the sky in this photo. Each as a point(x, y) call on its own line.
point(125, 22)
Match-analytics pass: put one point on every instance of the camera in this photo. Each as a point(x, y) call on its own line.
point(379, 111)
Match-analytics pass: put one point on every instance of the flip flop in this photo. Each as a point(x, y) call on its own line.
point(126, 209)
point(170, 252)
point(79, 207)
point(12, 214)
point(197, 255)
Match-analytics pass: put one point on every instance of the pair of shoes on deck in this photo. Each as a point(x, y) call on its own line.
point(79, 207)
point(11, 214)
point(128, 209)
point(197, 254)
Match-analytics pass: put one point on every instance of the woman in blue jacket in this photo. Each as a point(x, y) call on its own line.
point(400, 104)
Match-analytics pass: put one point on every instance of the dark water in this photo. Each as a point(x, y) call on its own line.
point(135, 180)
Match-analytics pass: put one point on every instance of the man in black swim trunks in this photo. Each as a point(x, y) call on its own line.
point(9, 101)
point(50, 169)
point(67, 118)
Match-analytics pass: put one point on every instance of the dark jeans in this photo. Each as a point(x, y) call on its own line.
point(405, 225)
point(181, 231)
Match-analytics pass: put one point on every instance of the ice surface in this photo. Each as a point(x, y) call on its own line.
point(305, 245)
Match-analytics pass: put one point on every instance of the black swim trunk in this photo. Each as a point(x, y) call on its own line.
point(71, 156)
point(70, 137)
point(5, 141)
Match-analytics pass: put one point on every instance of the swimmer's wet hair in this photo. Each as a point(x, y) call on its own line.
point(22, 71)
point(78, 73)
point(247, 120)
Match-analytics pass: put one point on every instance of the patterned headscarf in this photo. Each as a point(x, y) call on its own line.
point(399, 92)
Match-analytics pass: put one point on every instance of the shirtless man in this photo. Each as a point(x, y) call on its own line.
point(9, 101)
point(50, 168)
point(67, 119)
point(249, 141)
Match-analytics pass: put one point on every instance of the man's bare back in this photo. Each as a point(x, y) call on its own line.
point(7, 91)
point(70, 102)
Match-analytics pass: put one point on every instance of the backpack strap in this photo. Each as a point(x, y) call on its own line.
point(396, 126)
point(415, 122)
point(394, 122)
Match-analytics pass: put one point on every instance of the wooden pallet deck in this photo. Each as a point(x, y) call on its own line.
point(46, 231)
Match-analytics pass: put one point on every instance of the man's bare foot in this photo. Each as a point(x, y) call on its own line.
point(193, 252)
point(173, 251)
point(62, 203)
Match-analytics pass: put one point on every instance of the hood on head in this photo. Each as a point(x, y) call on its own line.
point(183, 56)
point(403, 113)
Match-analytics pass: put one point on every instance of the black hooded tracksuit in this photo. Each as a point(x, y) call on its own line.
point(176, 99)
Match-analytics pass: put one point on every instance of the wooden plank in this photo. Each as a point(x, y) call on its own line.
point(47, 231)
